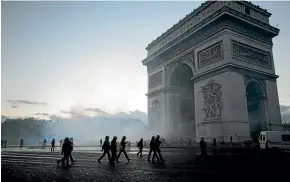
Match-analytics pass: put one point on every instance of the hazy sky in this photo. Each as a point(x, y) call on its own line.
point(73, 55)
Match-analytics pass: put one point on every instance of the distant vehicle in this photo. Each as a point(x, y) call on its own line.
point(274, 140)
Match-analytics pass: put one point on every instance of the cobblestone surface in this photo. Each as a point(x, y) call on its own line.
point(181, 165)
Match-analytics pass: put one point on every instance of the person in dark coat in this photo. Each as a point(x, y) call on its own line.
point(123, 146)
point(52, 145)
point(140, 145)
point(101, 143)
point(157, 144)
point(106, 149)
point(21, 142)
point(152, 148)
point(65, 151)
point(113, 150)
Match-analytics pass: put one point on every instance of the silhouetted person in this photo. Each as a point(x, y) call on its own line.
point(5, 143)
point(106, 149)
point(72, 146)
point(52, 145)
point(157, 144)
point(202, 146)
point(2, 143)
point(60, 142)
point(152, 148)
point(114, 150)
point(44, 143)
point(231, 141)
point(101, 142)
point(21, 142)
point(65, 151)
point(140, 145)
point(123, 146)
point(214, 144)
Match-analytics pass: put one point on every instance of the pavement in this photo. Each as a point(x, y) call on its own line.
point(181, 165)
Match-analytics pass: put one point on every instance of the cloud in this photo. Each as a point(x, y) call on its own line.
point(65, 112)
point(285, 113)
point(14, 106)
point(42, 114)
point(76, 112)
point(284, 108)
point(17, 102)
point(98, 111)
point(56, 118)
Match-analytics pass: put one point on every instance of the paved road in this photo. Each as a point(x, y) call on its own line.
point(181, 165)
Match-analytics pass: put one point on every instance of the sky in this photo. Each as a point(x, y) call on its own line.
point(58, 57)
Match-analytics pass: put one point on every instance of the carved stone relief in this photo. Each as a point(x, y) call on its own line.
point(155, 79)
point(190, 58)
point(251, 55)
point(155, 112)
point(212, 99)
point(204, 13)
point(210, 55)
point(203, 34)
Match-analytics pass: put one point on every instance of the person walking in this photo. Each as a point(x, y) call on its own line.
point(140, 145)
point(113, 150)
point(65, 151)
point(202, 146)
point(152, 149)
point(21, 143)
point(123, 146)
point(106, 149)
point(214, 144)
point(157, 144)
point(52, 145)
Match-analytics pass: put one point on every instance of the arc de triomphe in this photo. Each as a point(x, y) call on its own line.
point(212, 74)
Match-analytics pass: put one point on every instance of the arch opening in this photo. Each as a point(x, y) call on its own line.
point(256, 103)
point(183, 109)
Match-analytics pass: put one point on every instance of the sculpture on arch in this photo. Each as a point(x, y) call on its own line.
point(212, 95)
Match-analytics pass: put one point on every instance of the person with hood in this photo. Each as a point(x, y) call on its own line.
point(140, 145)
point(123, 146)
point(106, 149)
point(113, 150)
point(65, 151)
point(152, 148)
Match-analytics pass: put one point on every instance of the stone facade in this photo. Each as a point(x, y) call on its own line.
point(219, 52)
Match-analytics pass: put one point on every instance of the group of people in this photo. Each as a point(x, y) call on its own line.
point(66, 151)
point(110, 149)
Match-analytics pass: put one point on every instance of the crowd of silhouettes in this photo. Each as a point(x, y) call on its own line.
point(111, 148)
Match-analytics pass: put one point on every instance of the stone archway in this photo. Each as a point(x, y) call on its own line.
point(256, 104)
point(181, 101)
